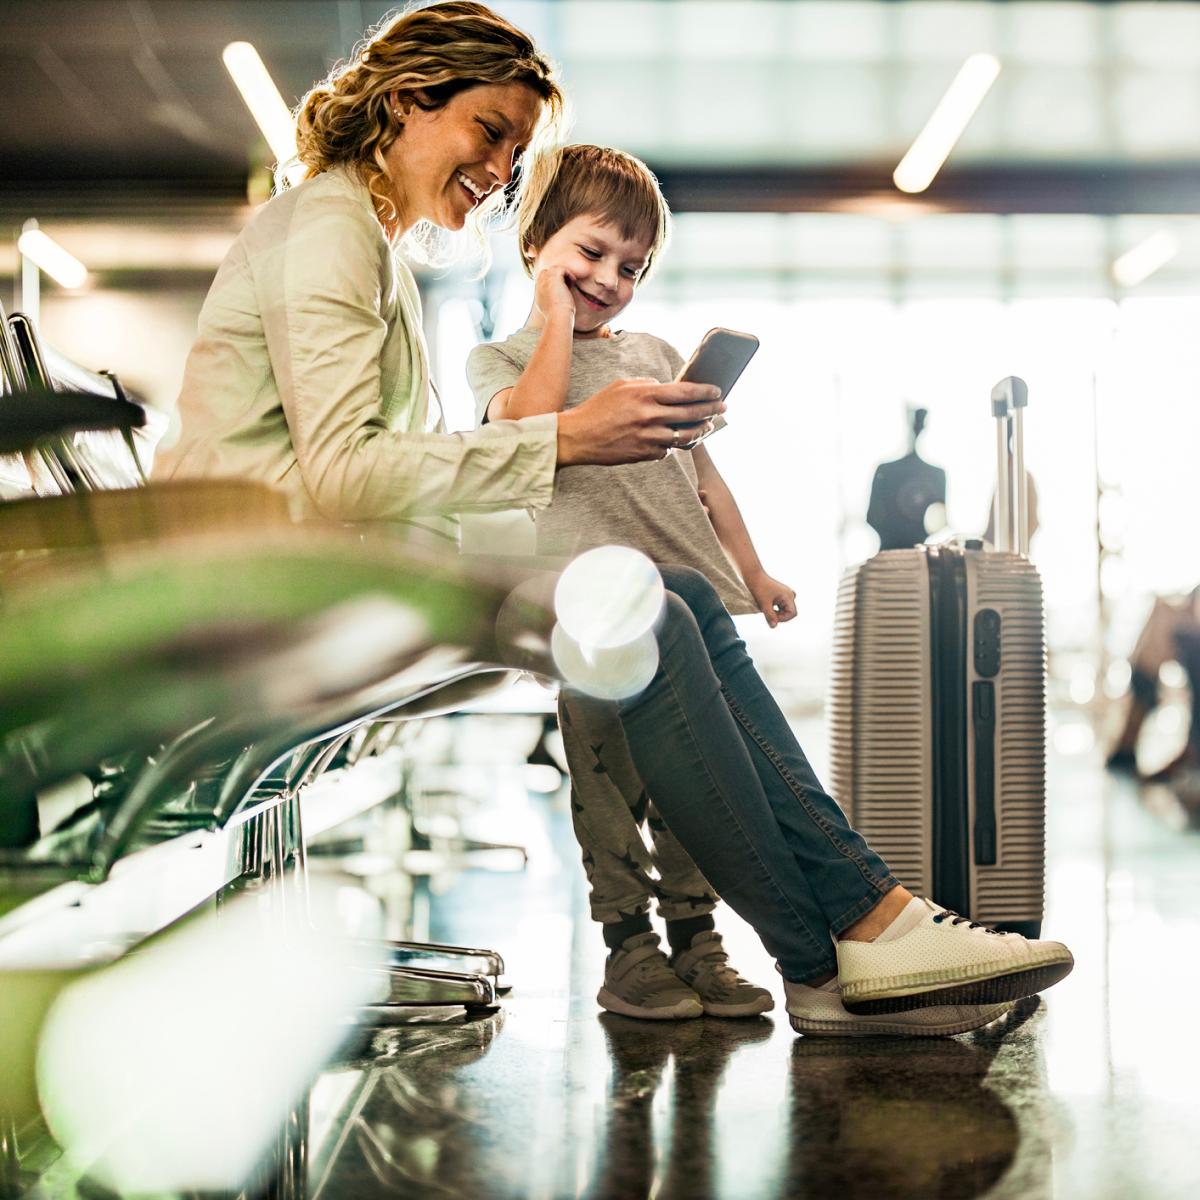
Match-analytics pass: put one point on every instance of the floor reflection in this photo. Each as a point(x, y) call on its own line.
point(398, 1103)
point(631, 1159)
point(416, 1111)
point(887, 1118)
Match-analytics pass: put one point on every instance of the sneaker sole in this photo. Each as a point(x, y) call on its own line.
point(813, 1028)
point(751, 1008)
point(685, 1010)
point(994, 990)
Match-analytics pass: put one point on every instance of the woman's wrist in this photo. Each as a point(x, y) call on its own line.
point(571, 446)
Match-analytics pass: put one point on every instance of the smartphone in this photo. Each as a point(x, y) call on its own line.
point(720, 359)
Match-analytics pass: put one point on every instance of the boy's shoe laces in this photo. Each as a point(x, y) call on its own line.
point(653, 969)
point(714, 962)
point(708, 970)
point(646, 964)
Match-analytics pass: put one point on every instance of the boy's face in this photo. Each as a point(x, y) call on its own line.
point(602, 268)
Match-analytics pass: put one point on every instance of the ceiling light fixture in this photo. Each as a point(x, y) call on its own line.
point(932, 146)
point(262, 98)
point(49, 256)
point(1140, 262)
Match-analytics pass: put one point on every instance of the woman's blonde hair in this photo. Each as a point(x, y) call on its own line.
point(596, 181)
point(428, 55)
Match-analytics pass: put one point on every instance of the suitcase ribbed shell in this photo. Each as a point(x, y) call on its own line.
point(1014, 889)
point(879, 710)
point(880, 723)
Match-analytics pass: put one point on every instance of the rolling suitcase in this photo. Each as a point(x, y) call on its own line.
point(937, 707)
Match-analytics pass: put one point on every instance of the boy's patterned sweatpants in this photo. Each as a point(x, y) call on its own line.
point(609, 808)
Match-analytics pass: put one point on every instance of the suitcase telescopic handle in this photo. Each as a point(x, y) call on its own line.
point(1010, 398)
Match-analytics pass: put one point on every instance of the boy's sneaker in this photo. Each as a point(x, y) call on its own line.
point(705, 968)
point(639, 982)
point(819, 1012)
point(945, 959)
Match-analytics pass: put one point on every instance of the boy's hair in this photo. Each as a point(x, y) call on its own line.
point(583, 180)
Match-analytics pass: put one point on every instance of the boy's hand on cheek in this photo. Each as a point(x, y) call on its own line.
point(776, 601)
point(552, 293)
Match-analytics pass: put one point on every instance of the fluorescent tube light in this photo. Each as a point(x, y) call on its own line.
point(50, 257)
point(916, 170)
point(1145, 258)
point(262, 98)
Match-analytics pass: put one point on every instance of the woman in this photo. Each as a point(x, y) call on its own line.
point(310, 372)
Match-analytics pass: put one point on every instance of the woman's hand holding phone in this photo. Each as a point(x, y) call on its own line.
point(634, 420)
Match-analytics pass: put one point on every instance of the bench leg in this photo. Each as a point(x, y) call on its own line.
point(476, 962)
point(472, 982)
point(416, 987)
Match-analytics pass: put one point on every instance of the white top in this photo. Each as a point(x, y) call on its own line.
point(310, 372)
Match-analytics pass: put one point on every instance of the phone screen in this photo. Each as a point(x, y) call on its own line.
point(720, 359)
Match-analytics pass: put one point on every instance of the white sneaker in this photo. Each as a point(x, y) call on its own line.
point(946, 959)
point(820, 1013)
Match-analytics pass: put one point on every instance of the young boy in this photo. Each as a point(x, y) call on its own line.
point(588, 241)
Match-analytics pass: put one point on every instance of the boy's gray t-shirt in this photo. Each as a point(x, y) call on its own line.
point(651, 506)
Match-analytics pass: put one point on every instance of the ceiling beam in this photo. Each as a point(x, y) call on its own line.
point(214, 199)
point(1103, 189)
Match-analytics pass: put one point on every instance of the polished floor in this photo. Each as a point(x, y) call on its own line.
point(1090, 1092)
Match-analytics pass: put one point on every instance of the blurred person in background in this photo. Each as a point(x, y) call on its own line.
point(1188, 642)
point(1169, 635)
point(908, 495)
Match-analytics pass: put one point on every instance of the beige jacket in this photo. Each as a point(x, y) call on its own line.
point(310, 373)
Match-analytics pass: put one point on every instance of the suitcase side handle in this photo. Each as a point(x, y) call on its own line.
point(1010, 398)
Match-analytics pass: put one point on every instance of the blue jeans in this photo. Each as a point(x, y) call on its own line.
point(725, 770)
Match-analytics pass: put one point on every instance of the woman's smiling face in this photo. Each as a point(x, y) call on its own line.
point(602, 268)
point(448, 160)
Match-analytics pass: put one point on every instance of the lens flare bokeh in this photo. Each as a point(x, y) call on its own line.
point(614, 673)
point(608, 597)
